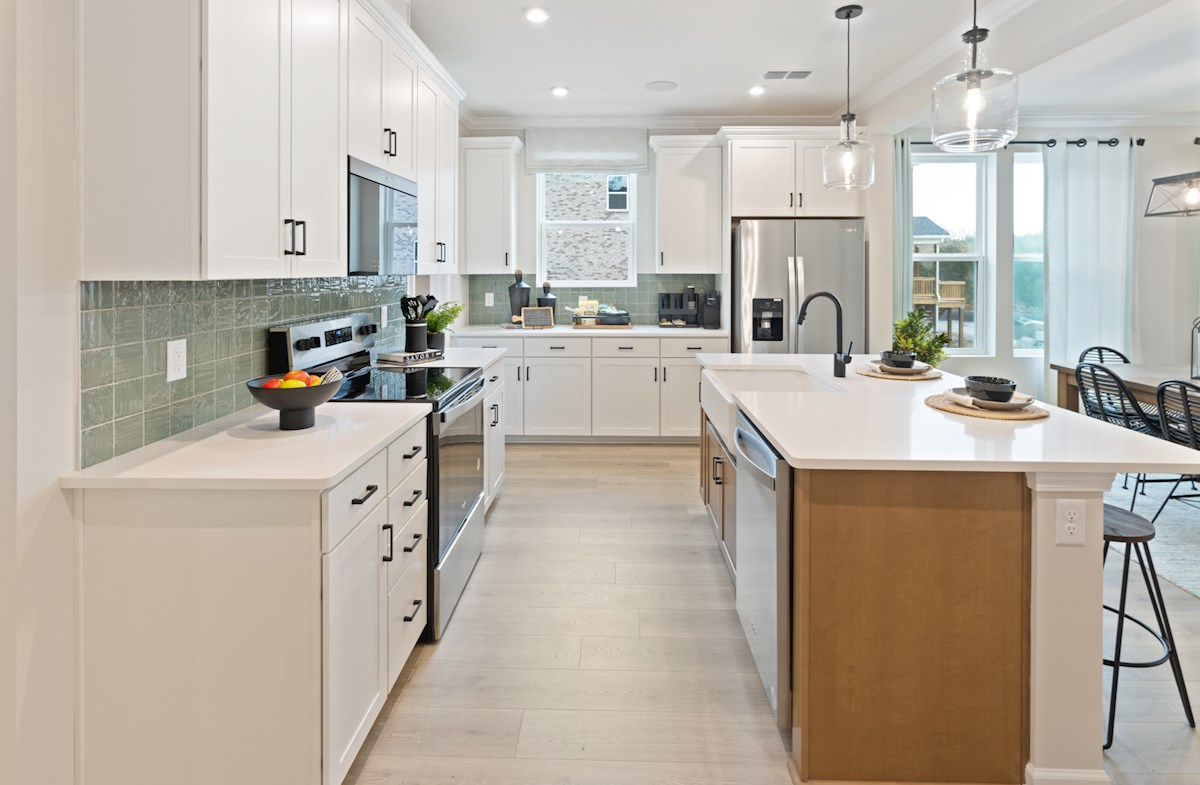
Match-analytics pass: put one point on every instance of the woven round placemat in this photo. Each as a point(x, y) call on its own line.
point(942, 403)
point(932, 373)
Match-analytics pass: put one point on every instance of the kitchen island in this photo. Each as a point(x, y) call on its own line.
point(937, 631)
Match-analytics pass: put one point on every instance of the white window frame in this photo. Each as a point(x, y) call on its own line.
point(629, 226)
point(984, 256)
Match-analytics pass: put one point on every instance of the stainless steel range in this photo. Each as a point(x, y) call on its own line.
point(456, 482)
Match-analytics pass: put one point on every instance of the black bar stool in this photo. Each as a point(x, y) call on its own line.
point(1105, 396)
point(1179, 419)
point(1137, 532)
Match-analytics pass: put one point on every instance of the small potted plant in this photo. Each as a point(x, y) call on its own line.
point(915, 334)
point(438, 322)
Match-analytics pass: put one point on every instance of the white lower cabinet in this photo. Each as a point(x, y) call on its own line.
point(679, 397)
point(494, 434)
point(407, 608)
point(355, 640)
point(558, 396)
point(514, 395)
point(625, 396)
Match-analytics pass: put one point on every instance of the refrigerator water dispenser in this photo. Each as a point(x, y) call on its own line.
point(768, 319)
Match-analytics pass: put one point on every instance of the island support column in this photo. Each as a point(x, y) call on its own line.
point(1066, 637)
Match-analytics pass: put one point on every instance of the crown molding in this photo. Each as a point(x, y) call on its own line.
point(467, 118)
point(684, 141)
point(949, 45)
point(1105, 119)
point(510, 143)
point(693, 123)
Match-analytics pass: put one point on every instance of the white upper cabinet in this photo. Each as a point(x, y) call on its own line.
point(437, 178)
point(779, 175)
point(489, 204)
point(688, 204)
point(233, 170)
point(382, 97)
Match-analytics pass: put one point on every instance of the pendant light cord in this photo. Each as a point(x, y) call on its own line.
point(974, 26)
point(847, 65)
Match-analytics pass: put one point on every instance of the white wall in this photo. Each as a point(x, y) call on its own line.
point(8, 403)
point(45, 322)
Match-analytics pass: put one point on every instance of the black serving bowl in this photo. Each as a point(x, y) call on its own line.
point(991, 388)
point(297, 405)
point(897, 359)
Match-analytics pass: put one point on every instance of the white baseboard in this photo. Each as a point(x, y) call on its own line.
point(1044, 776)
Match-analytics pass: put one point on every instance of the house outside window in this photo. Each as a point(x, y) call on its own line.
point(587, 229)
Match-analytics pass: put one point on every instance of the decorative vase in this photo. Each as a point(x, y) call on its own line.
point(436, 341)
point(518, 293)
point(548, 300)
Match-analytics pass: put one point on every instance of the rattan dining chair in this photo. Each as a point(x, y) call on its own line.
point(1102, 354)
point(1179, 422)
point(1105, 396)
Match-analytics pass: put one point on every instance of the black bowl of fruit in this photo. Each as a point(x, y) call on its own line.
point(296, 395)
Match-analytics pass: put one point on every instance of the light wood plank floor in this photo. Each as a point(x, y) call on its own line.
point(597, 643)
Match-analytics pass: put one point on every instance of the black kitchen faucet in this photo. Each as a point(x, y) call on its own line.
point(840, 358)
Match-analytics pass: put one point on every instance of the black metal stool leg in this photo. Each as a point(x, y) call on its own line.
point(1112, 700)
point(1176, 667)
point(1163, 506)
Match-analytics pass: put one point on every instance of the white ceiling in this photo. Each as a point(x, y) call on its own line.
point(605, 51)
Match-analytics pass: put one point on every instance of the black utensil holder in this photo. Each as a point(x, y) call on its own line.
point(416, 336)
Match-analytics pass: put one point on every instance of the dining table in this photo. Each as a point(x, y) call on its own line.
point(1142, 381)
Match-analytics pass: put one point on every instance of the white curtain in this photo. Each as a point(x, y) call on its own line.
point(902, 237)
point(1089, 248)
point(602, 150)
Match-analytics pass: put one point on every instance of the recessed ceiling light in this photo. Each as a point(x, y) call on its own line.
point(757, 90)
point(537, 15)
point(662, 86)
point(559, 92)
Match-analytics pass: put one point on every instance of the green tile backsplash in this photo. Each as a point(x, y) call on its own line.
point(641, 301)
point(125, 399)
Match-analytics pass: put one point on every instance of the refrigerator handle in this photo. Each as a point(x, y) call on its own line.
point(792, 309)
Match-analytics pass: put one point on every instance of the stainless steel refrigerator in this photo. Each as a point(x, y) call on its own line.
point(777, 262)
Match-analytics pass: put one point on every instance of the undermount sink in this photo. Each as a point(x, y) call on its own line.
point(717, 388)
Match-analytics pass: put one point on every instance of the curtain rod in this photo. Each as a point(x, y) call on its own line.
point(1113, 142)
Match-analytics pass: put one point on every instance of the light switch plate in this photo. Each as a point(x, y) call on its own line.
point(489, 299)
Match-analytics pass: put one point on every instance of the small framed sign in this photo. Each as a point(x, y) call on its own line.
point(537, 318)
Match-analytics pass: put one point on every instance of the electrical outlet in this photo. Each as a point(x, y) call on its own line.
point(383, 317)
point(176, 360)
point(489, 299)
point(1070, 522)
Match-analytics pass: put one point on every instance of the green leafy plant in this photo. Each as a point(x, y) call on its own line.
point(439, 319)
point(915, 334)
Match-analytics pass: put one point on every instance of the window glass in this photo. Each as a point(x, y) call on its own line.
point(586, 228)
point(1029, 316)
point(947, 256)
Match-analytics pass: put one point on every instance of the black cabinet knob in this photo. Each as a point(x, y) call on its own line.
point(303, 344)
point(368, 329)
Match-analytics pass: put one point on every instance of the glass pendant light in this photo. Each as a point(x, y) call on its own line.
point(849, 164)
point(975, 110)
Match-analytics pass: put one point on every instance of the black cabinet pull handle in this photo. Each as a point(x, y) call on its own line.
point(662, 259)
point(288, 222)
point(558, 347)
point(413, 500)
point(799, 200)
point(387, 132)
point(625, 348)
point(303, 238)
point(791, 200)
point(494, 379)
point(395, 146)
point(717, 461)
point(526, 373)
point(506, 258)
point(518, 373)
point(694, 348)
point(495, 414)
point(387, 527)
point(656, 373)
point(416, 607)
point(363, 499)
point(664, 373)
point(413, 454)
point(485, 346)
point(413, 547)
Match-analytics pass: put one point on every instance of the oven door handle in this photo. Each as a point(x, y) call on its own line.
point(465, 403)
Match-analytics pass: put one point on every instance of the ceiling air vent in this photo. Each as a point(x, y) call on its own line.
point(786, 74)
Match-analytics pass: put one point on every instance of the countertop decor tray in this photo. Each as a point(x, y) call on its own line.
point(942, 403)
point(932, 373)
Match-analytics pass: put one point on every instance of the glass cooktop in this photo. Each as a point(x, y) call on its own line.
point(425, 385)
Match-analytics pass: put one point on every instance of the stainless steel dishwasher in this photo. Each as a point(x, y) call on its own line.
point(764, 530)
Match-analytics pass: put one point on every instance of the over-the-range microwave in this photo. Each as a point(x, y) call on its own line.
point(383, 222)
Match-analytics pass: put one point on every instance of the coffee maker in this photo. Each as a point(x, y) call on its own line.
point(710, 311)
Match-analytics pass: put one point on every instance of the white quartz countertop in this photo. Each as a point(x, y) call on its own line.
point(246, 450)
point(562, 330)
point(879, 424)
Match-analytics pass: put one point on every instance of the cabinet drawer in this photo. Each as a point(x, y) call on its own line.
point(405, 500)
point(404, 454)
point(625, 347)
point(353, 498)
point(558, 347)
point(686, 347)
point(408, 537)
point(406, 613)
point(512, 344)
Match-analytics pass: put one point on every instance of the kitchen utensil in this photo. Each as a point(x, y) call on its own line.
point(430, 303)
point(297, 405)
point(990, 388)
point(411, 306)
point(333, 375)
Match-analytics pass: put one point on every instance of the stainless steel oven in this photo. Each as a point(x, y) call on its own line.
point(457, 428)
